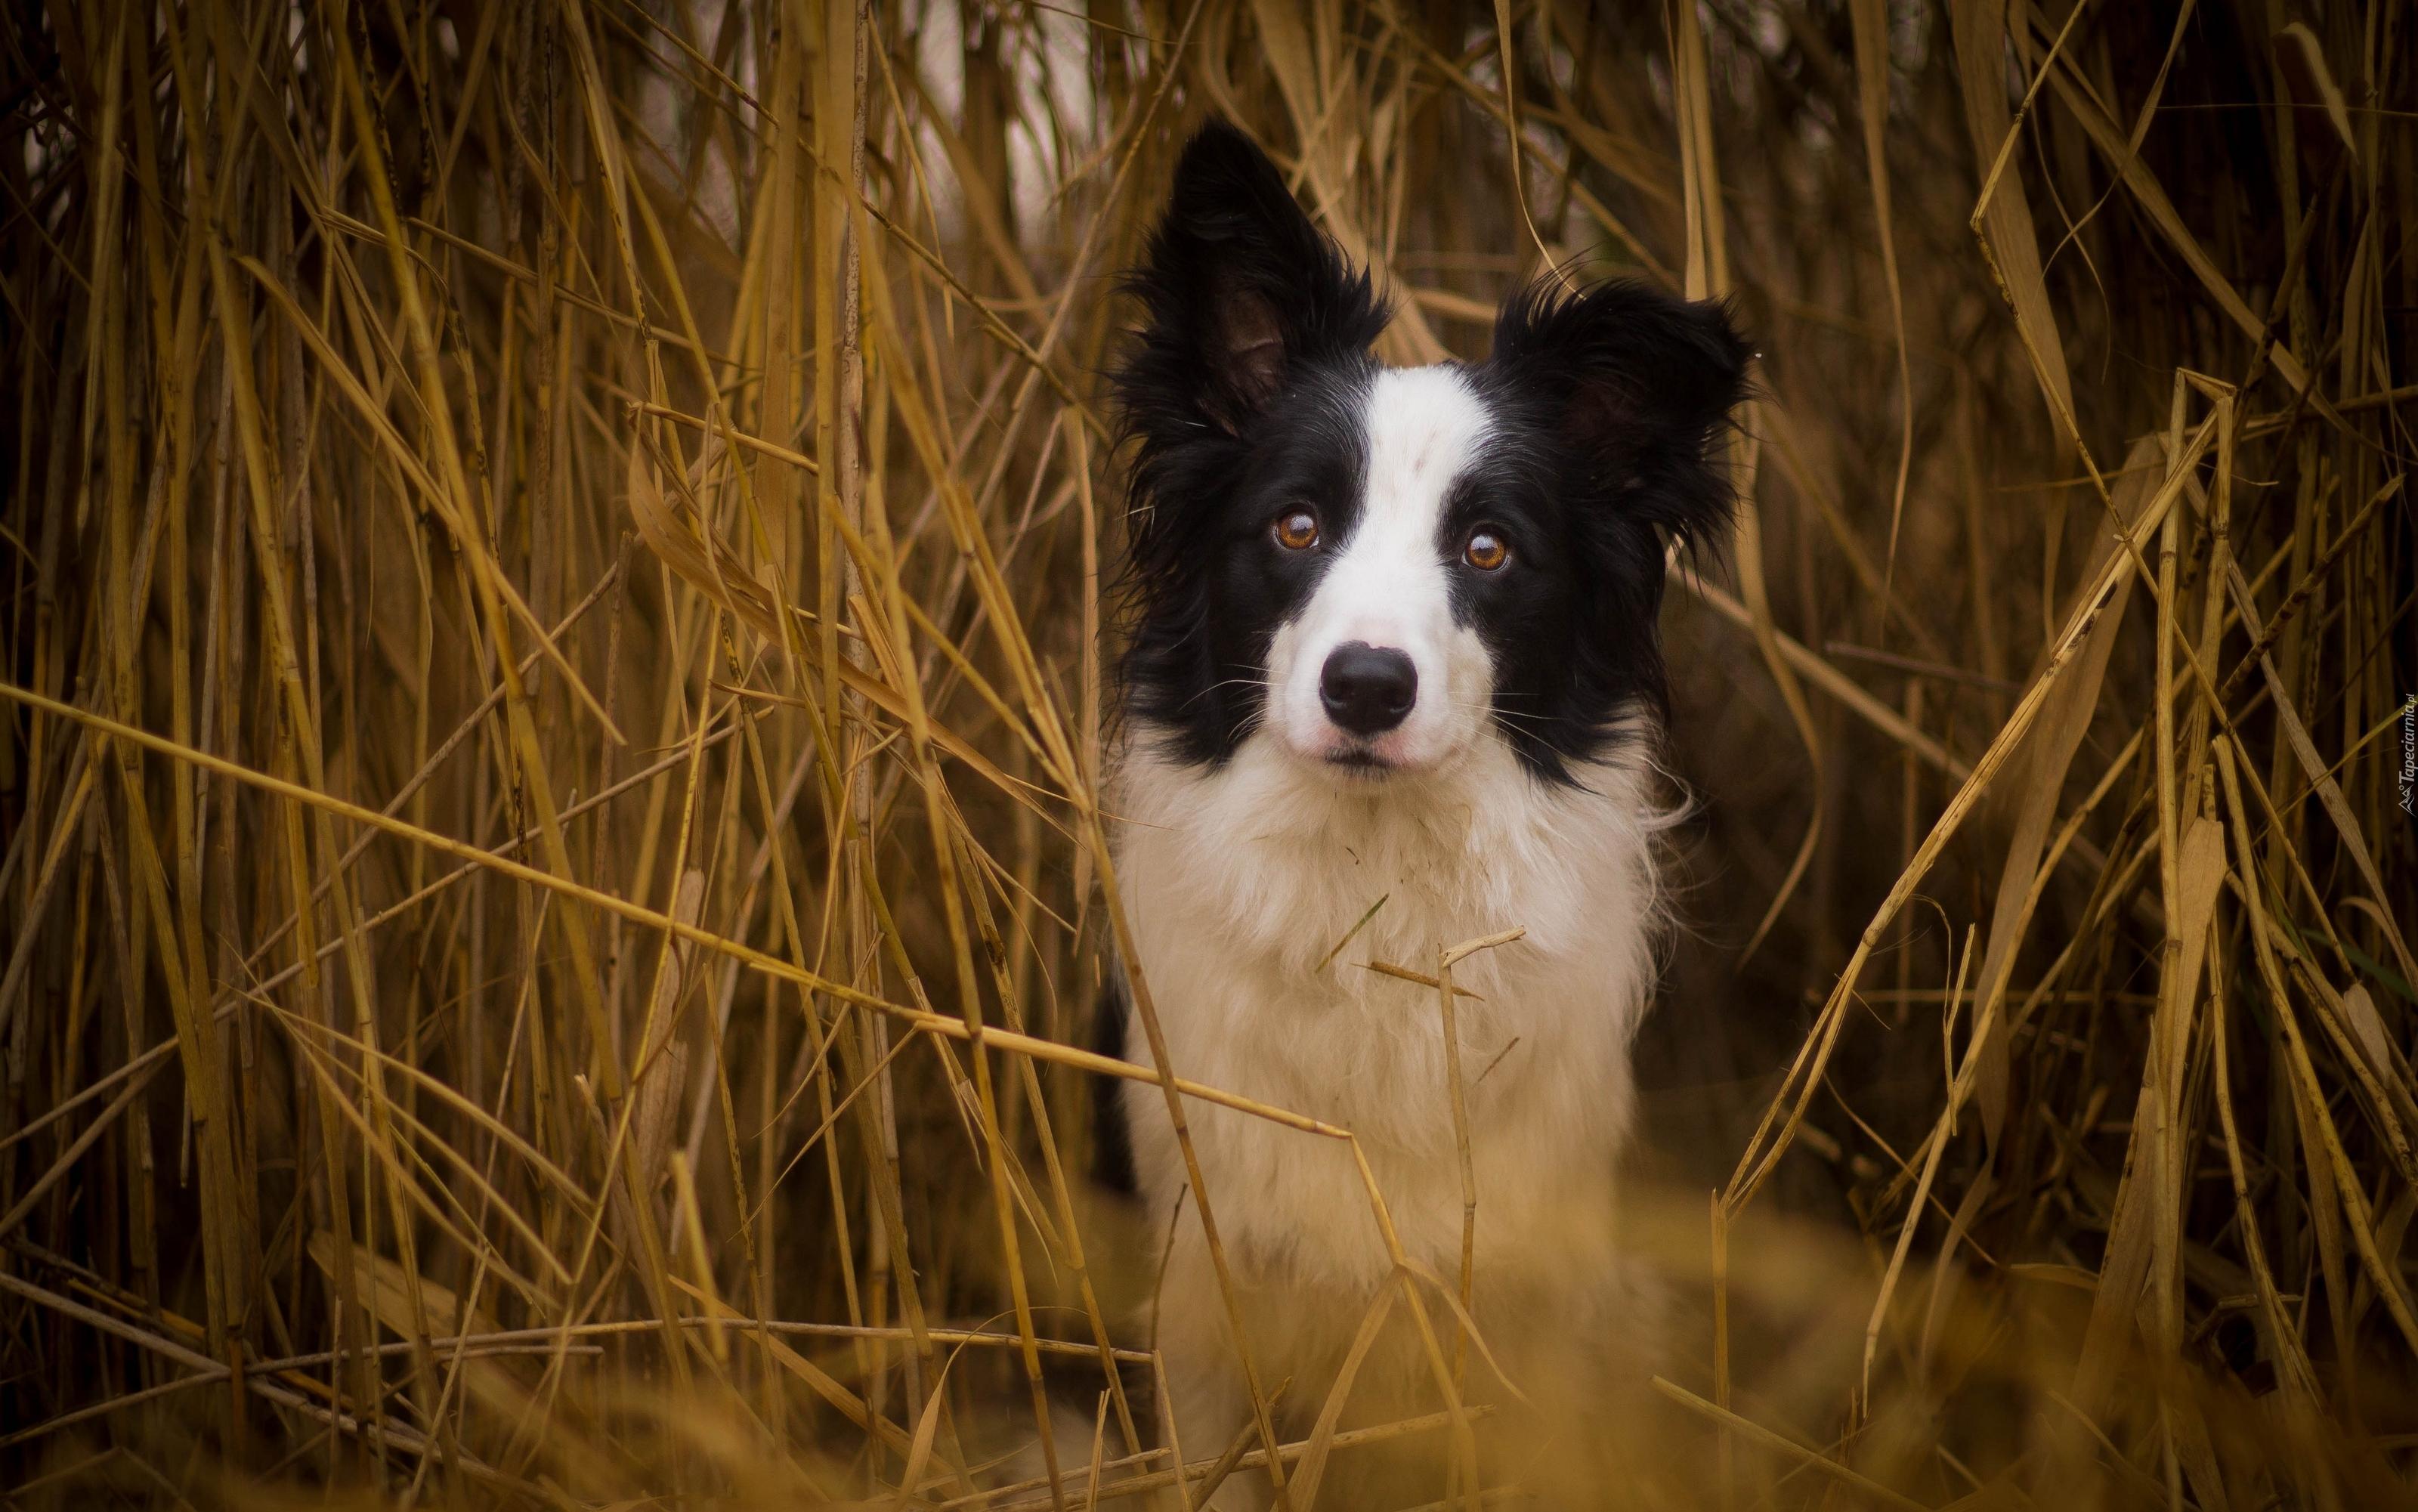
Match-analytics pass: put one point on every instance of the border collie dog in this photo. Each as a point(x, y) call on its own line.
point(1393, 675)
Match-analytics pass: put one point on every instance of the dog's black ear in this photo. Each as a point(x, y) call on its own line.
point(1640, 384)
point(1239, 291)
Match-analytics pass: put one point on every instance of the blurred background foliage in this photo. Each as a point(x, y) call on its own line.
point(557, 563)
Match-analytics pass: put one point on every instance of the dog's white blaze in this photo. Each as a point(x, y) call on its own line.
point(1390, 586)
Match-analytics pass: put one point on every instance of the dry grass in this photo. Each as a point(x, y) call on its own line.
point(554, 561)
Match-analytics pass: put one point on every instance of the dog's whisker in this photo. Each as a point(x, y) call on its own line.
point(1259, 683)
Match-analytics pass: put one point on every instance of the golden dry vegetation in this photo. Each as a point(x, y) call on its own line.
point(552, 639)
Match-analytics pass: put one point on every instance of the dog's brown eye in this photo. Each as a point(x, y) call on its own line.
point(1296, 530)
point(1486, 551)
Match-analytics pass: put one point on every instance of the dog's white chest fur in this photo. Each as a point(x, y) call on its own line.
point(1241, 881)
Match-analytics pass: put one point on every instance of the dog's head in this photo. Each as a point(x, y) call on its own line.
point(1380, 567)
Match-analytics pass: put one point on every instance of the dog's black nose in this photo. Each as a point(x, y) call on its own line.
point(1368, 689)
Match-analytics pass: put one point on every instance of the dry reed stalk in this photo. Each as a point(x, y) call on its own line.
point(551, 817)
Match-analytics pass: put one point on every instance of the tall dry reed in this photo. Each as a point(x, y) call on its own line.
point(558, 564)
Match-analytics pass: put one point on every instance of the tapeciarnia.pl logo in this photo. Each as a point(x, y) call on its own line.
point(2408, 752)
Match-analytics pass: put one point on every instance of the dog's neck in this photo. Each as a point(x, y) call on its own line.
point(1286, 857)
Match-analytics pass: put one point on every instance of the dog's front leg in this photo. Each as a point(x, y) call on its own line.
point(1207, 1395)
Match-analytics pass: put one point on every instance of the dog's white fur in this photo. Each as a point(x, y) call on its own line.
point(1241, 879)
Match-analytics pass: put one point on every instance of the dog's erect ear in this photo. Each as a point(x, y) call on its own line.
point(1240, 291)
point(1641, 383)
